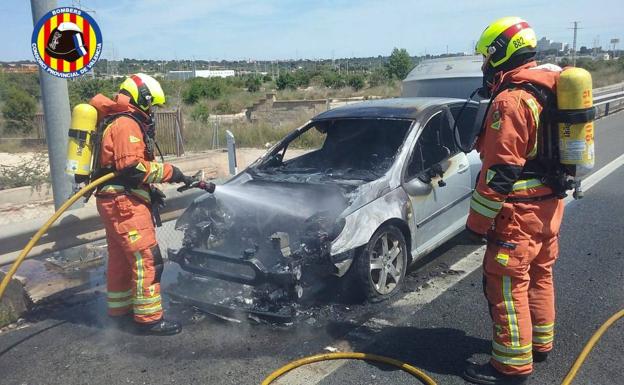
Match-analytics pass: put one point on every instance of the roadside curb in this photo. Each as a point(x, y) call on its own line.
point(15, 302)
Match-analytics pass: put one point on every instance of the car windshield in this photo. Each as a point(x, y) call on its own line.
point(347, 148)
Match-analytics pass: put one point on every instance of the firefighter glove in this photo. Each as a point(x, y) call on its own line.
point(179, 177)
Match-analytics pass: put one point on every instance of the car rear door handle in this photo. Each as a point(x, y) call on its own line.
point(462, 168)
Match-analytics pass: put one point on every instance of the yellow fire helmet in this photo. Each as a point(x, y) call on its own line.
point(505, 38)
point(144, 90)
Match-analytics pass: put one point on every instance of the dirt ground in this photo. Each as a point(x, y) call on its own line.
point(214, 163)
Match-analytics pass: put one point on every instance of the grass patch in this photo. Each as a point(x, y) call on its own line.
point(389, 90)
point(607, 76)
point(13, 146)
point(199, 136)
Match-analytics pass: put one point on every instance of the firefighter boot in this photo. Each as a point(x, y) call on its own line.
point(487, 375)
point(160, 328)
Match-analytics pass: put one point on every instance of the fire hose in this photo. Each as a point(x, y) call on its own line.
point(418, 373)
point(414, 371)
point(9, 275)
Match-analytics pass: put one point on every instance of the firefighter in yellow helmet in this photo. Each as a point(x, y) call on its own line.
point(126, 203)
point(515, 206)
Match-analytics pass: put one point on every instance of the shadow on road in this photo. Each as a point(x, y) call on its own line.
point(435, 350)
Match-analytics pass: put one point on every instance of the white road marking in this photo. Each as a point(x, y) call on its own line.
point(412, 302)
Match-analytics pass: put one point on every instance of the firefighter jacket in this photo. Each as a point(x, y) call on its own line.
point(508, 140)
point(124, 149)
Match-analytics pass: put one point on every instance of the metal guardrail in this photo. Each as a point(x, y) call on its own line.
point(75, 228)
point(607, 100)
point(78, 227)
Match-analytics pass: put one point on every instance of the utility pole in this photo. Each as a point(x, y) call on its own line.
point(575, 28)
point(55, 100)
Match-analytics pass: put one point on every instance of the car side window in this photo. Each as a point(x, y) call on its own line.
point(436, 143)
point(466, 121)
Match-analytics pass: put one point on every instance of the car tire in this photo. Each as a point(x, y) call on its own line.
point(385, 255)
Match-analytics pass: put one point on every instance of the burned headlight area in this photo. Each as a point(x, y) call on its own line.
point(279, 255)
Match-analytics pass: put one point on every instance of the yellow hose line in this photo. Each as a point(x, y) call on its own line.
point(349, 356)
point(46, 226)
point(590, 345)
point(419, 373)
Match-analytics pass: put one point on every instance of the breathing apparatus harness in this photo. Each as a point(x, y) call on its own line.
point(149, 138)
point(547, 166)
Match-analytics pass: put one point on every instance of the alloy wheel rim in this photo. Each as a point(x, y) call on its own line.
point(386, 264)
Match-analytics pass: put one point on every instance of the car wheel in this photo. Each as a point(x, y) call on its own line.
point(382, 263)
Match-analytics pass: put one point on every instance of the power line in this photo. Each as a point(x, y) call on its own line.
point(575, 28)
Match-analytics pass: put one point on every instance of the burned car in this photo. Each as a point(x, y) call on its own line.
point(381, 184)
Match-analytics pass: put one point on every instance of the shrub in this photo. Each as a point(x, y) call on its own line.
point(253, 84)
point(200, 113)
point(33, 173)
point(378, 77)
point(333, 79)
point(302, 78)
point(202, 88)
point(286, 80)
point(18, 111)
point(224, 107)
point(82, 90)
point(356, 82)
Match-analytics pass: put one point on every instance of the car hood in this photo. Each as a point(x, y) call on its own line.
point(245, 217)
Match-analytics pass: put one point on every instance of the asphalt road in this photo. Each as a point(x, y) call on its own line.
point(438, 322)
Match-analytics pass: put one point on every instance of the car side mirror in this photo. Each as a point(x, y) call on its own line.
point(417, 186)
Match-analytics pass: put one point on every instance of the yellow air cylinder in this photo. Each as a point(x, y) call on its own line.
point(80, 146)
point(576, 133)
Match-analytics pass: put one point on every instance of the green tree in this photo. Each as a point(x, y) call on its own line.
point(202, 88)
point(399, 64)
point(378, 77)
point(286, 80)
point(253, 84)
point(356, 81)
point(19, 110)
point(333, 79)
point(82, 90)
point(200, 113)
point(302, 78)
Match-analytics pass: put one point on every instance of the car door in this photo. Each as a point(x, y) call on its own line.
point(437, 180)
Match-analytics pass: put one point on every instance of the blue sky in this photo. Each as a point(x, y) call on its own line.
point(283, 29)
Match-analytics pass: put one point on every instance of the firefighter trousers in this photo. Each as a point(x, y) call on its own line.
point(518, 282)
point(134, 260)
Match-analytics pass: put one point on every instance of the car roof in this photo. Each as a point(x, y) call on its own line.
point(397, 108)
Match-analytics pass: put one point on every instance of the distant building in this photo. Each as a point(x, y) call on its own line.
point(24, 68)
point(214, 73)
point(179, 75)
point(545, 44)
point(183, 75)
